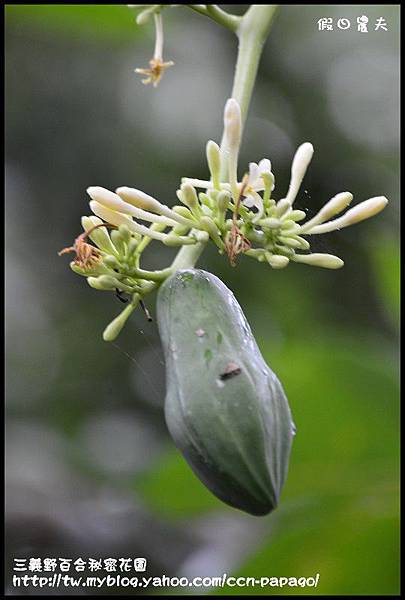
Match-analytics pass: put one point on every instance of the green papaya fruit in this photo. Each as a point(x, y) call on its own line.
point(225, 408)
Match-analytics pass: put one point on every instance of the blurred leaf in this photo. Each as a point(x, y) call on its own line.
point(173, 489)
point(99, 21)
point(353, 551)
point(384, 255)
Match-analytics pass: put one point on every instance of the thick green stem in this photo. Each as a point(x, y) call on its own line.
point(252, 34)
point(187, 257)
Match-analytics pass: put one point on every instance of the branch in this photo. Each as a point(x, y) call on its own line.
point(215, 13)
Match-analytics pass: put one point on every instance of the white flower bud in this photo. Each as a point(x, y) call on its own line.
point(139, 199)
point(214, 161)
point(282, 207)
point(115, 218)
point(335, 205)
point(304, 244)
point(114, 202)
point(277, 261)
point(223, 201)
point(297, 215)
point(100, 235)
point(289, 241)
point(108, 199)
point(233, 123)
point(111, 261)
point(330, 209)
point(358, 213)
point(289, 227)
point(271, 222)
point(299, 166)
point(106, 283)
point(110, 216)
point(268, 179)
point(182, 210)
point(189, 196)
point(232, 138)
point(208, 224)
point(143, 202)
point(364, 210)
point(327, 261)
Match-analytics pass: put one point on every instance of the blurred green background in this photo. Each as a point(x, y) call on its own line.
point(91, 470)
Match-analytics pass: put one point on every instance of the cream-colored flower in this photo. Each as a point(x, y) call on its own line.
point(155, 71)
point(157, 66)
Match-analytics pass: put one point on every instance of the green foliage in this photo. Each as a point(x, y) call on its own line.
point(385, 263)
point(103, 23)
point(184, 495)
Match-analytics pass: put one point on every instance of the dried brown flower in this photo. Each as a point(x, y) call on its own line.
point(86, 255)
point(235, 242)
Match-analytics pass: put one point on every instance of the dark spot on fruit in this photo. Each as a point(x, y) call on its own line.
point(231, 370)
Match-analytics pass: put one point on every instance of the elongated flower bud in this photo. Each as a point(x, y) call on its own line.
point(358, 213)
point(209, 226)
point(271, 222)
point(277, 261)
point(139, 199)
point(223, 201)
point(268, 180)
point(282, 207)
point(115, 202)
point(299, 167)
point(297, 215)
point(214, 161)
point(107, 283)
point(112, 330)
point(189, 197)
point(116, 218)
point(364, 210)
point(330, 209)
point(233, 123)
point(100, 235)
point(108, 199)
point(327, 261)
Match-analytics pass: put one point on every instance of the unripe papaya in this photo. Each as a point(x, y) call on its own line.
point(225, 408)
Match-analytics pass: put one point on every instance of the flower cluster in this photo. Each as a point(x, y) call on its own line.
point(272, 231)
point(113, 263)
point(240, 217)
